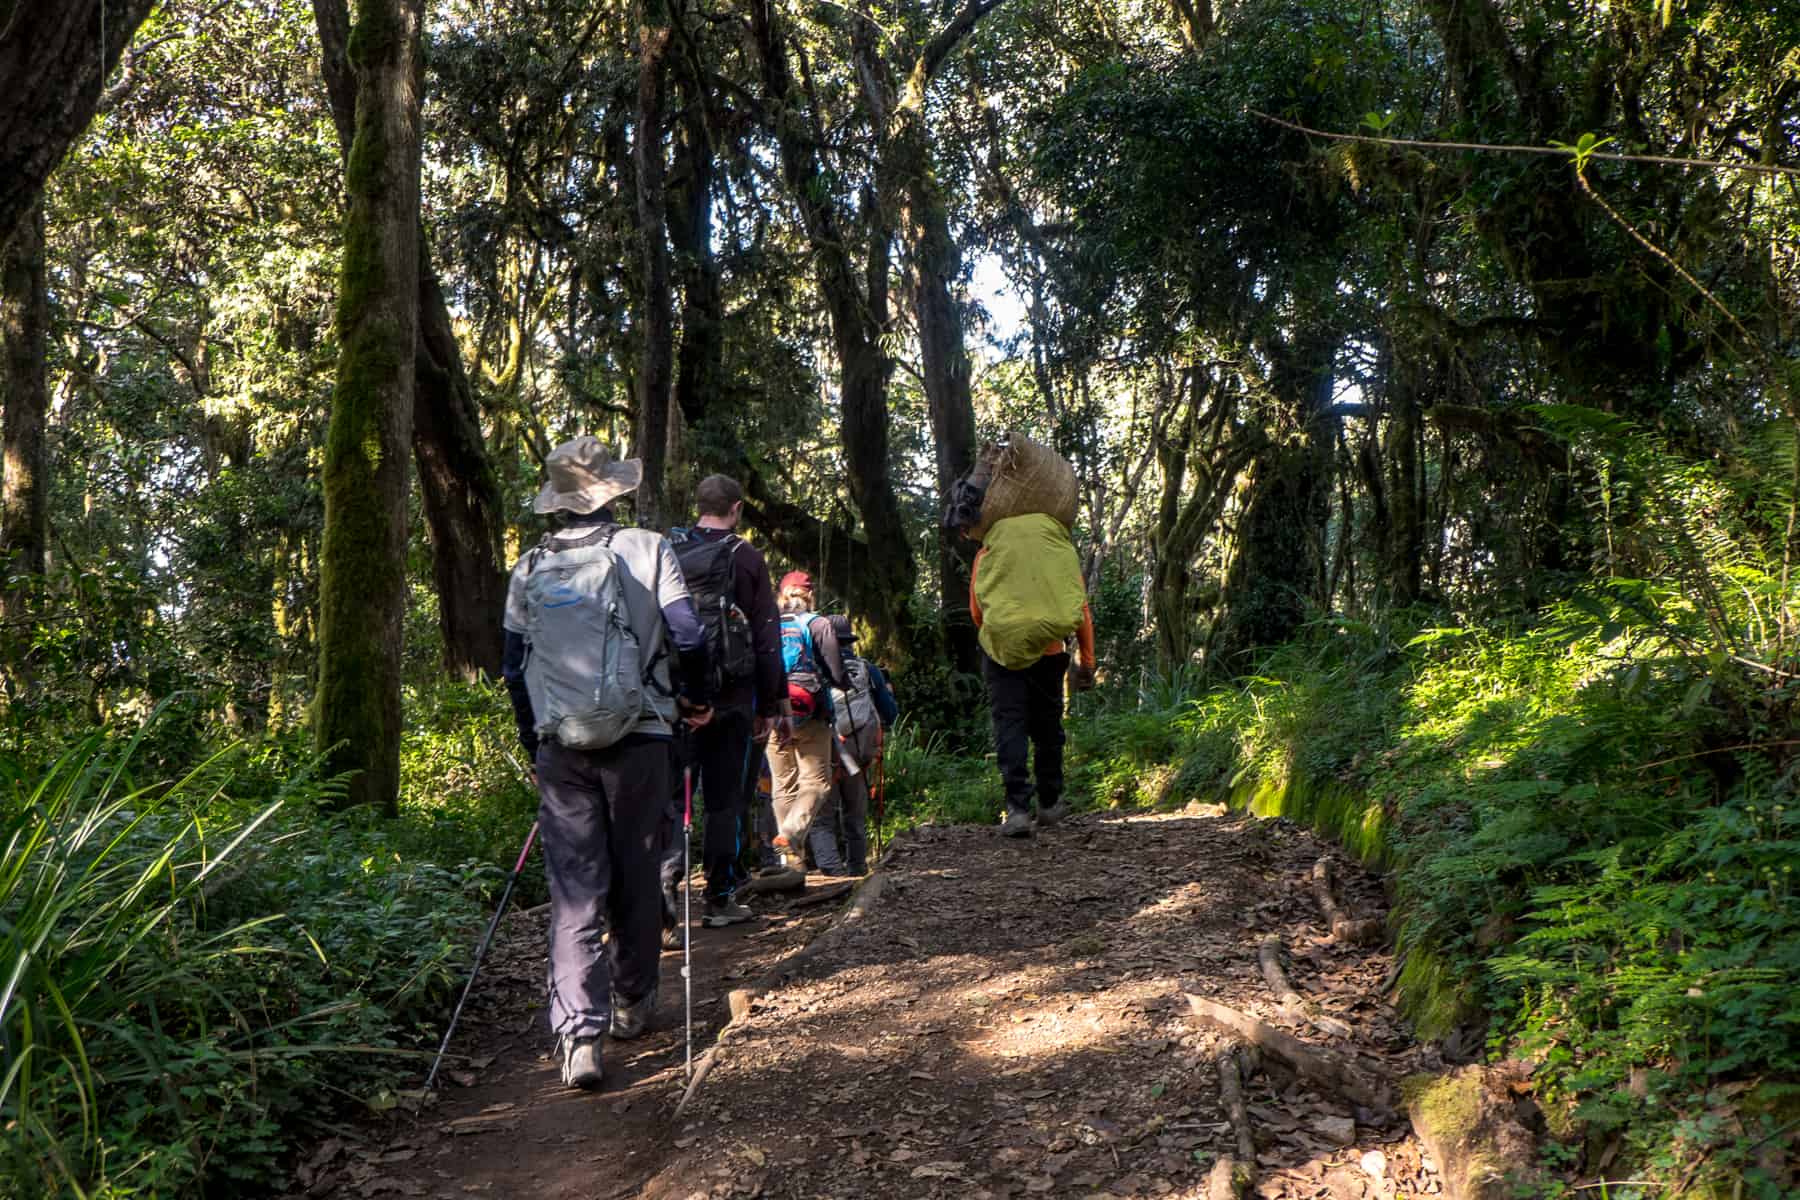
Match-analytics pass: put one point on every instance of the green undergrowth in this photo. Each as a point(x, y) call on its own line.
point(204, 967)
point(1582, 867)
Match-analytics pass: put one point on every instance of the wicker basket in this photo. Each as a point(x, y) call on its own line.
point(1024, 476)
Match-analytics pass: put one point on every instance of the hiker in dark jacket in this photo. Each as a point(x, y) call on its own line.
point(601, 794)
point(724, 572)
point(861, 712)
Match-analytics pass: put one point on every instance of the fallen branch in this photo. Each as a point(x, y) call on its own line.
point(1233, 1177)
point(1343, 928)
point(1294, 1006)
point(1310, 1062)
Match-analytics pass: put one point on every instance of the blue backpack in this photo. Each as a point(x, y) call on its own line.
point(806, 688)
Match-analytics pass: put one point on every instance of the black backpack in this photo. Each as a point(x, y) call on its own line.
point(707, 565)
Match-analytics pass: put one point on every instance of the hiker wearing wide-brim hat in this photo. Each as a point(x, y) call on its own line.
point(582, 476)
point(604, 658)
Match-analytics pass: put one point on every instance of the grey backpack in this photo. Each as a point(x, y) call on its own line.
point(855, 705)
point(583, 666)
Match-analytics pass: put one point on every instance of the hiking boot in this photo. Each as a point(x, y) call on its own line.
point(793, 858)
point(1017, 824)
point(720, 913)
point(580, 1059)
point(1051, 815)
point(671, 937)
point(633, 1019)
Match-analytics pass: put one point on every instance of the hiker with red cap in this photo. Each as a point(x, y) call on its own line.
point(801, 762)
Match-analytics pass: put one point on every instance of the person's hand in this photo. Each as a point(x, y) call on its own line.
point(697, 716)
point(1082, 678)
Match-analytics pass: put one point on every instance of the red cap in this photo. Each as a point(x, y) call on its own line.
point(796, 581)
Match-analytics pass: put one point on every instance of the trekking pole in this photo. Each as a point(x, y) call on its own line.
point(878, 783)
point(687, 910)
point(505, 895)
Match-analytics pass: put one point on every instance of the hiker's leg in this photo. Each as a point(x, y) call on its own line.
point(572, 821)
point(824, 836)
point(802, 779)
point(814, 742)
point(784, 778)
point(1047, 726)
point(636, 777)
point(722, 744)
point(762, 821)
point(1009, 699)
point(855, 792)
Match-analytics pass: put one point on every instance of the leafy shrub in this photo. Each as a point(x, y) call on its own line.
point(190, 972)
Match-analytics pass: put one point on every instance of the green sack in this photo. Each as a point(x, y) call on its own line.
point(1030, 589)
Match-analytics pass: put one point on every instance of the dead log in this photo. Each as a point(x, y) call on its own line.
point(1343, 927)
point(1233, 1177)
point(1294, 1006)
point(1310, 1062)
point(821, 895)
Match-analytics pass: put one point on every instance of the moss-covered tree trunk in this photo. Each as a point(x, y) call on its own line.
point(362, 602)
point(458, 489)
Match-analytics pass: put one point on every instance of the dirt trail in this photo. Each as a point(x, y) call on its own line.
point(1007, 1020)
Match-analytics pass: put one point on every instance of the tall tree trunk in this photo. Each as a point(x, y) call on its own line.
point(856, 304)
point(458, 490)
point(1278, 566)
point(54, 60)
point(936, 263)
point(656, 319)
point(1405, 542)
point(363, 558)
point(24, 325)
point(700, 358)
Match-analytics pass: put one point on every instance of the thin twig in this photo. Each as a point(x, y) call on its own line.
point(1721, 750)
point(1662, 160)
point(1652, 247)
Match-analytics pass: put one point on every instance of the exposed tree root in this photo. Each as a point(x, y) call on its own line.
point(1293, 1005)
point(1233, 1177)
point(1310, 1062)
point(1343, 927)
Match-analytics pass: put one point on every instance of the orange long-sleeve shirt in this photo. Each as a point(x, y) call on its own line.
point(1084, 633)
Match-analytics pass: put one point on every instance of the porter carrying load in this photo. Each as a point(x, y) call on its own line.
point(1014, 477)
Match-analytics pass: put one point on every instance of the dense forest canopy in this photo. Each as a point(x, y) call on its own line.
point(1353, 317)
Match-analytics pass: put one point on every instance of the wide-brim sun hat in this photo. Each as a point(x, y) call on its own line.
point(582, 476)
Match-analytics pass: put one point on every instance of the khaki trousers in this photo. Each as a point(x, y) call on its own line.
point(802, 777)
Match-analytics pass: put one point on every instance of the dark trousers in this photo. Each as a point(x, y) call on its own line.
point(600, 816)
point(1028, 708)
point(718, 753)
